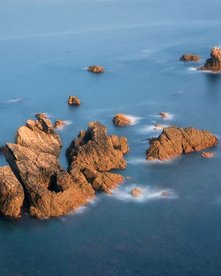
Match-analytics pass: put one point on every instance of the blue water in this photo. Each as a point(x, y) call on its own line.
point(45, 46)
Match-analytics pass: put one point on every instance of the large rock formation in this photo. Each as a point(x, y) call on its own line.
point(11, 193)
point(95, 153)
point(50, 191)
point(36, 173)
point(214, 62)
point(174, 141)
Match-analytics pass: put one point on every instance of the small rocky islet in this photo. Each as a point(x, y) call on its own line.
point(35, 182)
point(212, 64)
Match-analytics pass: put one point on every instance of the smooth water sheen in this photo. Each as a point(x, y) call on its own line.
point(45, 46)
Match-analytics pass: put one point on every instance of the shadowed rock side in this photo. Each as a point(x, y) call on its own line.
point(11, 193)
point(49, 190)
point(95, 153)
point(174, 141)
point(214, 62)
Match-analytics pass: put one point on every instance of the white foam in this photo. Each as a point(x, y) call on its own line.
point(66, 123)
point(147, 193)
point(14, 100)
point(134, 119)
point(192, 69)
point(152, 128)
point(137, 161)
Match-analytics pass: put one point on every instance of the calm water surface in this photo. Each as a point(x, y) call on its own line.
point(44, 49)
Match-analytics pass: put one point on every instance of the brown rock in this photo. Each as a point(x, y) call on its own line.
point(136, 192)
point(174, 141)
point(50, 191)
point(106, 181)
point(11, 193)
point(59, 123)
point(214, 62)
point(121, 120)
point(39, 135)
point(190, 57)
point(95, 153)
point(74, 100)
point(96, 69)
point(207, 154)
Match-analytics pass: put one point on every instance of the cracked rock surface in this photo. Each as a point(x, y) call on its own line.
point(174, 141)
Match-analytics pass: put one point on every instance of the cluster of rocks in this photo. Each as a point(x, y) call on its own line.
point(212, 64)
point(34, 179)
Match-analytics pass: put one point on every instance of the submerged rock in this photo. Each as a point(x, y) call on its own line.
point(136, 192)
point(214, 62)
point(74, 100)
point(208, 154)
point(190, 57)
point(164, 115)
point(121, 120)
point(96, 69)
point(174, 141)
point(95, 153)
point(11, 193)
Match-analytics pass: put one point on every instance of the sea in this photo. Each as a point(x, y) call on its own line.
point(45, 49)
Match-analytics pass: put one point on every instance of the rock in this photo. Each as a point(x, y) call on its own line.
point(95, 153)
point(174, 141)
point(164, 115)
point(207, 154)
point(190, 57)
point(136, 192)
point(214, 62)
point(96, 69)
point(106, 181)
point(59, 123)
point(40, 136)
point(164, 194)
point(73, 100)
point(121, 120)
point(50, 190)
point(11, 193)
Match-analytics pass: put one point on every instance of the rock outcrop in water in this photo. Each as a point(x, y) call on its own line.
point(190, 57)
point(174, 141)
point(121, 120)
point(96, 69)
point(35, 178)
point(214, 62)
point(50, 191)
point(11, 193)
point(74, 100)
point(94, 154)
